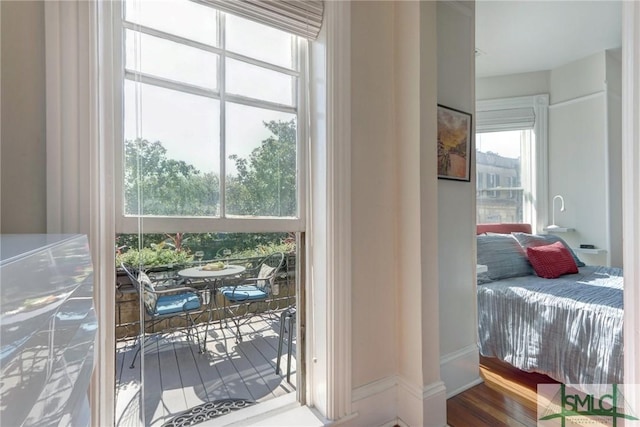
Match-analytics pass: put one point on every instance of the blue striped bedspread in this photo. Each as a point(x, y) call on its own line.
point(569, 328)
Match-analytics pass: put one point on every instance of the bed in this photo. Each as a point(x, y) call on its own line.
point(568, 327)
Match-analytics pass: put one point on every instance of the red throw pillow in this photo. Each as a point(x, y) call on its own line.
point(551, 261)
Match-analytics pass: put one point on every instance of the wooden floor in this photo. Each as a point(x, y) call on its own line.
point(177, 377)
point(508, 397)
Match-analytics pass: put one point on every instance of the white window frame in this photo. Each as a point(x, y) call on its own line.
point(535, 209)
point(132, 224)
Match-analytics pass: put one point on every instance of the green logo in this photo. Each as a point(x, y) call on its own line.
point(607, 408)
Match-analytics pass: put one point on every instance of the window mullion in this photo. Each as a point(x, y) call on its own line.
point(140, 77)
point(262, 64)
point(239, 99)
point(170, 37)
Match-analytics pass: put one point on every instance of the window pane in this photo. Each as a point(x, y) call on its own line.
point(259, 41)
point(259, 83)
point(182, 18)
point(500, 194)
point(175, 146)
point(261, 162)
point(173, 61)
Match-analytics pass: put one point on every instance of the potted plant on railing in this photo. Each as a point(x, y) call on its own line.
point(158, 257)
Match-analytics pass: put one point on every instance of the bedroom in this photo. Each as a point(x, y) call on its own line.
point(412, 367)
point(583, 114)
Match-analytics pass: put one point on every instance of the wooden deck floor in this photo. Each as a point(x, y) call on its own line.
point(177, 377)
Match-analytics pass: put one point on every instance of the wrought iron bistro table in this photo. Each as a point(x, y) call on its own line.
point(212, 278)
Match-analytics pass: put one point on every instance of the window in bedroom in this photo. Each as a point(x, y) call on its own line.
point(511, 160)
point(499, 156)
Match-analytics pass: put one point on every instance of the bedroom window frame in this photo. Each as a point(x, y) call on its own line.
point(518, 113)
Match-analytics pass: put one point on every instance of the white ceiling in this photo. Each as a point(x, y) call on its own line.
point(519, 36)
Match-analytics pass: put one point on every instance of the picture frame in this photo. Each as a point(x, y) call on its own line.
point(454, 144)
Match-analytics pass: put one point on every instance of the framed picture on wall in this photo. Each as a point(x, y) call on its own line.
point(454, 144)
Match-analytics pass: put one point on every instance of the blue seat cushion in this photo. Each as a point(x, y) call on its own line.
point(243, 293)
point(170, 304)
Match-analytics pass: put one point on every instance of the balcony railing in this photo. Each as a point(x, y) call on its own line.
point(127, 314)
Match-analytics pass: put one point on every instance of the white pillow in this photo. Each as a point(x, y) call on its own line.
point(265, 271)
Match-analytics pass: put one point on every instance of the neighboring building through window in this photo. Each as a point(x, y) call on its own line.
point(499, 157)
point(511, 160)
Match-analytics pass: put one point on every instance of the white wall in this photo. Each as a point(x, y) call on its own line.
point(396, 373)
point(22, 191)
point(373, 187)
point(584, 155)
point(456, 207)
point(513, 85)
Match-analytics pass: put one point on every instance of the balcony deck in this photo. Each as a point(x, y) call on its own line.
point(178, 378)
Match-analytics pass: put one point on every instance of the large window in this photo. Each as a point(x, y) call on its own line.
point(211, 121)
point(511, 160)
point(211, 170)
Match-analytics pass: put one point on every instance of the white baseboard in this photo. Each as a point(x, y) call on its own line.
point(375, 403)
point(459, 370)
point(394, 401)
point(426, 406)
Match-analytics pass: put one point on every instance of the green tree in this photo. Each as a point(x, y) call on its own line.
point(266, 181)
point(166, 186)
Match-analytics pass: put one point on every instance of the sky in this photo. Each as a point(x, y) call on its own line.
point(506, 144)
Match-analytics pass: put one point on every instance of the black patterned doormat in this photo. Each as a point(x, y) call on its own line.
point(207, 411)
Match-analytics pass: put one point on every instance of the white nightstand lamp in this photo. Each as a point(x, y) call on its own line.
point(553, 212)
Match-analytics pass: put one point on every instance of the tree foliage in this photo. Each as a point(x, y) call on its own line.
point(166, 186)
point(266, 181)
point(265, 185)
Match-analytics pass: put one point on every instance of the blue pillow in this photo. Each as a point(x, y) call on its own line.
point(527, 240)
point(503, 256)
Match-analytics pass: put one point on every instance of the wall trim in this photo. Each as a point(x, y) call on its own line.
point(578, 99)
point(472, 348)
point(338, 212)
point(607, 173)
point(374, 387)
point(631, 194)
point(461, 389)
point(390, 382)
point(422, 393)
point(421, 405)
point(459, 370)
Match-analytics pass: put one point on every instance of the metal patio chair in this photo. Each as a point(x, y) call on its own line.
point(254, 287)
point(167, 304)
